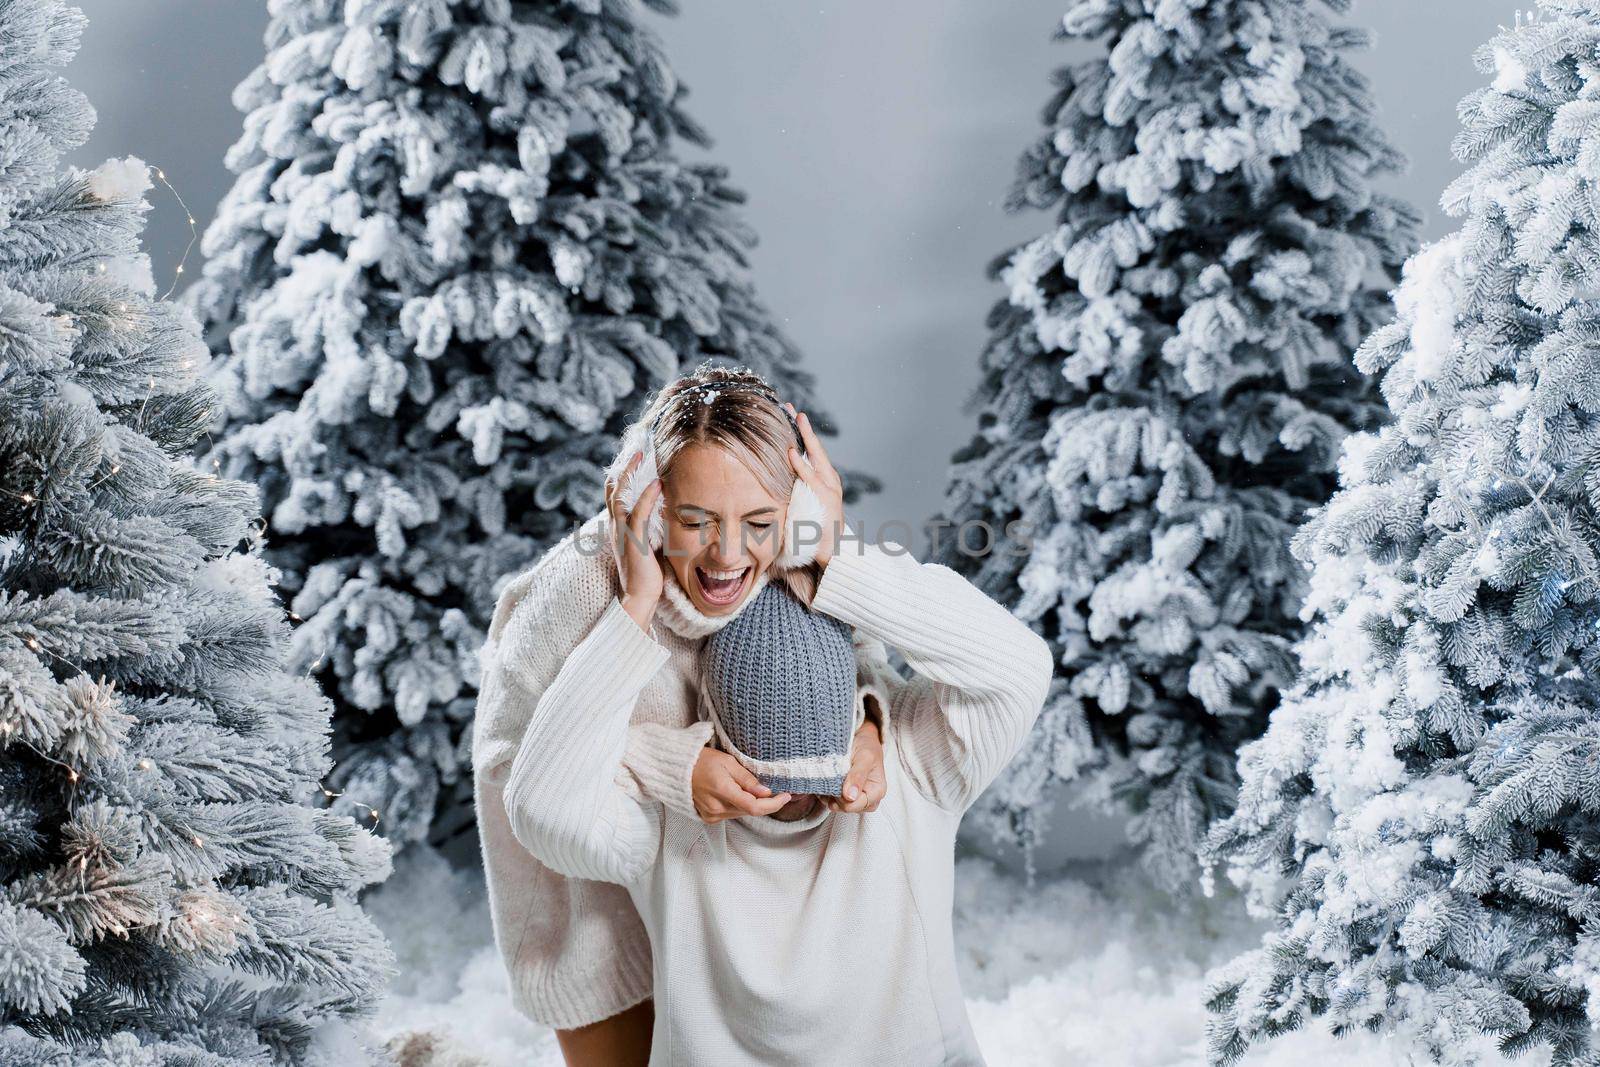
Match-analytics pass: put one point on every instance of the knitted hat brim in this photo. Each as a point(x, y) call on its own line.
point(828, 787)
point(827, 772)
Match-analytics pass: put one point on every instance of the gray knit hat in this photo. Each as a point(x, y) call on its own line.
point(779, 685)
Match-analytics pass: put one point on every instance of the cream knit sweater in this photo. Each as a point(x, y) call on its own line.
point(575, 950)
point(819, 941)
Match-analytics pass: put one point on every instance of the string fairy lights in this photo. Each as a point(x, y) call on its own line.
point(144, 763)
point(332, 794)
point(194, 232)
point(106, 773)
point(70, 321)
point(75, 777)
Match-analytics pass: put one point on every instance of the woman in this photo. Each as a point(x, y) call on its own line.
point(805, 936)
point(576, 951)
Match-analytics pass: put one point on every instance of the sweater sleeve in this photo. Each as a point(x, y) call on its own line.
point(982, 674)
point(564, 795)
point(660, 761)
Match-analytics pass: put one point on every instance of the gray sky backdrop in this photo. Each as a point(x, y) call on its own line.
point(876, 141)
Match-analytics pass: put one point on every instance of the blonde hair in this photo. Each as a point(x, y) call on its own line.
point(744, 420)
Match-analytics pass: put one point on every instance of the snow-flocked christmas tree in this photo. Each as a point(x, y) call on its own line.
point(1165, 389)
point(1423, 812)
point(169, 894)
point(461, 249)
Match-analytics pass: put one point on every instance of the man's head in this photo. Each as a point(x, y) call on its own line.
point(779, 683)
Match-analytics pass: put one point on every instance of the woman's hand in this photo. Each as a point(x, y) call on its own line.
point(637, 565)
point(865, 784)
point(725, 789)
point(816, 471)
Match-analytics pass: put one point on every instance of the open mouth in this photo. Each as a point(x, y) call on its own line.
point(721, 587)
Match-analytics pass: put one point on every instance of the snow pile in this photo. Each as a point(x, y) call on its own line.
point(1096, 966)
point(1511, 73)
point(120, 179)
point(451, 990)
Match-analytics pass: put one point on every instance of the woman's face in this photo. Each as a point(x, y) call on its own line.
point(721, 527)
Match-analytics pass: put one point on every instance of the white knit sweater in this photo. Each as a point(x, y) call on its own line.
point(575, 950)
point(823, 940)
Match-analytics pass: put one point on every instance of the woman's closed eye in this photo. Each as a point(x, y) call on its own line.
point(707, 525)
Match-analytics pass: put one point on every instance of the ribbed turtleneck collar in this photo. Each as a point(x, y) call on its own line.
point(675, 610)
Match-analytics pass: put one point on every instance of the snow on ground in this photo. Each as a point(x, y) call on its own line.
point(1090, 967)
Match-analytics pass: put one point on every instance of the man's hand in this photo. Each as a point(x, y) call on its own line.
point(865, 785)
point(724, 789)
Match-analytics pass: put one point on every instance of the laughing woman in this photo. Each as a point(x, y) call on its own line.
point(577, 952)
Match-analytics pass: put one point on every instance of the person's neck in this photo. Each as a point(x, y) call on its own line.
point(797, 808)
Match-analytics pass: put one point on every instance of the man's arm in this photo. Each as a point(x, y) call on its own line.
point(981, 673)
point(564, 796)
point(876, 679)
